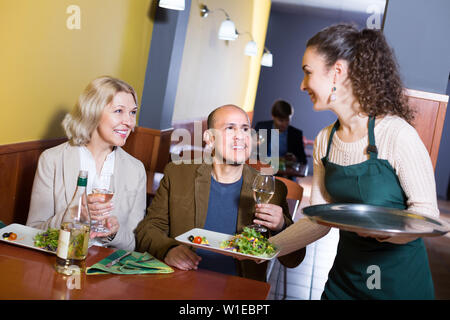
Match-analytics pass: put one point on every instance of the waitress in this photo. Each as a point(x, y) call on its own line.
point(370, 155)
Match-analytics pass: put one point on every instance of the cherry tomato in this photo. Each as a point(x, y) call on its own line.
point(12, 236)
point(198, 240)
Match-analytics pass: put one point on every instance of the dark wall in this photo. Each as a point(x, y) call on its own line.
point(163, 67)
point(287, 34)
point(418, 31)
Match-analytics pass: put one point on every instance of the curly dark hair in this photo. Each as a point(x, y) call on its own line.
point(373, 69)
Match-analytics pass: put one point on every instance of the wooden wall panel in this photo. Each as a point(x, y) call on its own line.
point(140, 144)
point(430, 116)
point(195, 127)
point(162, 152)
point(17, 166)
point(26, 168)
point(438, 132)
point(8, 182)
point(151, 146)
point(250, 116)
point(425, 119)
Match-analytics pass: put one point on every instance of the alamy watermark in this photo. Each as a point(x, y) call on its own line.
point(73, 22)
point(374, 20)
point(374, 280)
point(74, 281)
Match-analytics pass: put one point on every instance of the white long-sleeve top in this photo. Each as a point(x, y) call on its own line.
point(398, 143)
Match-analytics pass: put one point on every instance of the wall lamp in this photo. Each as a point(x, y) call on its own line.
point(251, 48)
point(267, 58)
point(227, 30)
point(172, 4)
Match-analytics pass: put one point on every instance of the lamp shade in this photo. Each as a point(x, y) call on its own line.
point(172, 4)
point(267, 59)
point(227, 30)
point(251, 48)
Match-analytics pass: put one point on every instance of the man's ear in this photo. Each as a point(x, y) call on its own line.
point(208, 137)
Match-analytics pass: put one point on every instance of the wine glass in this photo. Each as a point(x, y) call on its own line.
point(103, 186)
point(263, 189)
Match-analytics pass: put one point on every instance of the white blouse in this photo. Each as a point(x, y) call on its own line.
point(87, 163)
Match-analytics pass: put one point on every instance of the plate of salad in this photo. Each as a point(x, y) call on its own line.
point(29, 237)
point(249, 244)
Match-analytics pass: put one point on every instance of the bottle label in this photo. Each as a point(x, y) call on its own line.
point(63, 244)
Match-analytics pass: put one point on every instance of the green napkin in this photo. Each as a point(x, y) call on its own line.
point(2, 225)
point(135, 263)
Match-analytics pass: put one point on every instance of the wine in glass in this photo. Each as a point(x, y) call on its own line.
point(103, 187)
point(263, 189)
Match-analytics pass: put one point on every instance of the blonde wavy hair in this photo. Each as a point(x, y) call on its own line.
point(85, 116)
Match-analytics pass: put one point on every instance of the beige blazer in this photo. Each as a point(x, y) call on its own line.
point(56, 180)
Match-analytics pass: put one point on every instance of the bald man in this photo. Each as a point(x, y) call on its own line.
point(216, 197)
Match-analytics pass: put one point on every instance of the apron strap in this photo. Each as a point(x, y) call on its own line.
point(372, 148)
point(330, 139)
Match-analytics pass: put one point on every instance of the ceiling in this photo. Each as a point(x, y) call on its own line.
point(345, 5)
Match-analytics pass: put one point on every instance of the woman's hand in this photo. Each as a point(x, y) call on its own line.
point(112, 223)
point(270, 216)
point(98, 207)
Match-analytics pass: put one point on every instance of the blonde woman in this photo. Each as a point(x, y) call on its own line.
point(97, 128)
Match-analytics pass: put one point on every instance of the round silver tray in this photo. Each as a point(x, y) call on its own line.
point(375, 220)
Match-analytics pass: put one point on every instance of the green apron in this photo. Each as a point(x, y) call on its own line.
point(365, 268)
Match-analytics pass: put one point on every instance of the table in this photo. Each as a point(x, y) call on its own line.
point(28, 274)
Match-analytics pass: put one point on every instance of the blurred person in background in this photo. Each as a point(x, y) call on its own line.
point(290, 144)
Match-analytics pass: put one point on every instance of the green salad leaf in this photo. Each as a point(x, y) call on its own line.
point(47, 239)
point(251, 242)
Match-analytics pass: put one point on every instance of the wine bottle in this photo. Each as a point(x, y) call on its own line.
point(74, 232)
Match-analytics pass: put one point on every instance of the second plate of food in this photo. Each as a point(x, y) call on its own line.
point(25, 236)
point(220, 243)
